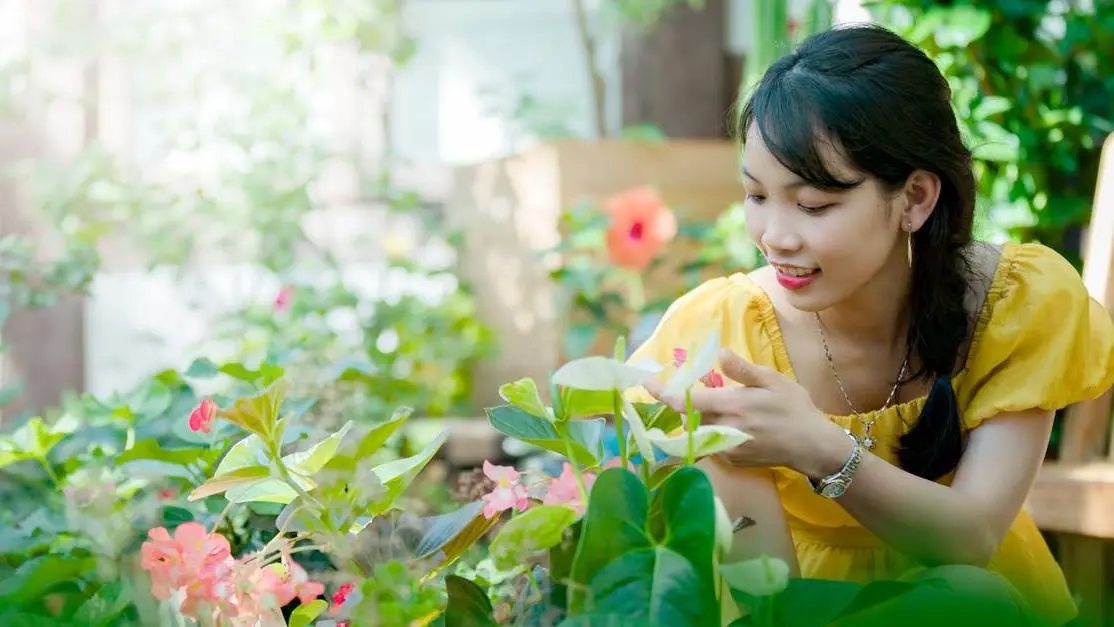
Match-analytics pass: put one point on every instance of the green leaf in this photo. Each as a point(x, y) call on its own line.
point(303, 615)
point(37, 575)
point(310, 461)
point(150, 449)
point(579, 403)
point(268, 490)
point(202, 369)
point(991, 105)
point(524, 395)
point(259, 413)
point(380, 433)
point(249, 451)
point(150, 400)
point(622, 567)
point(440, 530)
point(104, 606)
point(396, 475)
point(468, 604)
point(585, 435)
point(34, 439)
point(578, 339)
point(538, 528)
point(233, 479)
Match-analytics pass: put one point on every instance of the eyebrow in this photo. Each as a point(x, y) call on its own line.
point(799, 183)
point(794, 185)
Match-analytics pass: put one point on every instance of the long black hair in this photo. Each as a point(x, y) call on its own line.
point(884, 105)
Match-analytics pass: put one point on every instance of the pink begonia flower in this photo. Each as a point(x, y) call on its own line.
point(564, 490)
point(712, 379)
point(508, 492)
point(201, 418)
point(192, 558)
point(283, 298)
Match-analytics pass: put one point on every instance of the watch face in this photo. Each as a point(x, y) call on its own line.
point(834, 490)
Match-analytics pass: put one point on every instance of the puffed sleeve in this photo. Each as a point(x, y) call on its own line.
point(1045, 343)
point(735, 306)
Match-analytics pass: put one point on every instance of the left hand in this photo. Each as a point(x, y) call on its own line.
point(787, 428)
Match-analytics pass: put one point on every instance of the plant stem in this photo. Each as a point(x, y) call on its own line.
point(50, 472)
point(692, 421)
point(284, 474)
point(620, 433)
point(575, 467)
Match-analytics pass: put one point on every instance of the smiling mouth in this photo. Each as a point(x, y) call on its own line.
point(795, 271)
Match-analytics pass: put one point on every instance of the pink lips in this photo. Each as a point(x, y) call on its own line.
point(791, 282)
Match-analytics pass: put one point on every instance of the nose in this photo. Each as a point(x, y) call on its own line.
point(779, 234)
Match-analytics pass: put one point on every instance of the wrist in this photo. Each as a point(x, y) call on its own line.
point(830, 451)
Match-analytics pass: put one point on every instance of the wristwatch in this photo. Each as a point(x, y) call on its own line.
point(834, 485)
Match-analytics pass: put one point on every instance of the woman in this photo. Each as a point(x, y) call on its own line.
point(898, 378)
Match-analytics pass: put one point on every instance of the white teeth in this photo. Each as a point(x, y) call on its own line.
point(795, 271)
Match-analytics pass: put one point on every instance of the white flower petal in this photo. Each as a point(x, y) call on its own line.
point(600, 374)
point(638, 430)
point(697, 365)
point(708, 440)
point(760, 577)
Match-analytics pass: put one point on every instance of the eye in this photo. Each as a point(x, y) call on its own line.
point(756, 198)
point(810, 210)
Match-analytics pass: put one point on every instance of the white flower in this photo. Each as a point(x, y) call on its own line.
point(707, 440)
point(638, 430)
point(725, 531)
point(600, 374)
point(760, 577)
point(696, 366)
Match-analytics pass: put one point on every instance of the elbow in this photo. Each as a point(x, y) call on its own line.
point(976, 547)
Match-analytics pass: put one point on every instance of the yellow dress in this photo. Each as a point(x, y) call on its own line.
point(1040, 341)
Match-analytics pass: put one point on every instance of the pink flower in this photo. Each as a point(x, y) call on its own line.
point(341, 595)
point(201, 418)
point(641, 226)
point(283, 298)
point(193, 558)
point(508, 492)
point(564, 490)
point(712, 379)
point(616, 462)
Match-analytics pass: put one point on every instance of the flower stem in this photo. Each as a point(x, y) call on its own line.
point(620, 433)
point(575, 467)
point(691, 423)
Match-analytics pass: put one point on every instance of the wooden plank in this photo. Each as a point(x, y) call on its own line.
point(1085, 566)
point(1074, 498)
point(1087, 424)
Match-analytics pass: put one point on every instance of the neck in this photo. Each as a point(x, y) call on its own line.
point(879, 312)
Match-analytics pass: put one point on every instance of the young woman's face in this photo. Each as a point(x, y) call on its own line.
point(824, 246)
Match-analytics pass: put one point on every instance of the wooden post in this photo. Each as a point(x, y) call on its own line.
point(673, 77)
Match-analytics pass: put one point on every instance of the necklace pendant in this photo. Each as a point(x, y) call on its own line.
point(868, 441)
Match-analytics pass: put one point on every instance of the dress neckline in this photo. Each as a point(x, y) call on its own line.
point(993, 294)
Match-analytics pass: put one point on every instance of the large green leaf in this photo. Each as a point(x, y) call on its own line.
point(396, 475)
point(586, 442)
point(313, 459)
point(37, 575)
point(468, 604)
point(238, 478)
point(621, 566)
point(534, 530)
point(258, 414)
point(380, 433)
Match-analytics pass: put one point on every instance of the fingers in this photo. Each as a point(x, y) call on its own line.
point(748, 373)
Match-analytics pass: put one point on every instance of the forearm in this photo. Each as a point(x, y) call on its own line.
point(752, 493)
point(931, 522)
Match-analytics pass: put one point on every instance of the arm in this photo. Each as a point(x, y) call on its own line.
point(751, 492)
point(960, 524)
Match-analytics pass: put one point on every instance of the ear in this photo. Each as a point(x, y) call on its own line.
point(921, 191)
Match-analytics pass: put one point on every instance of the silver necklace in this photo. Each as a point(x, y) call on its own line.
point(866, 439)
